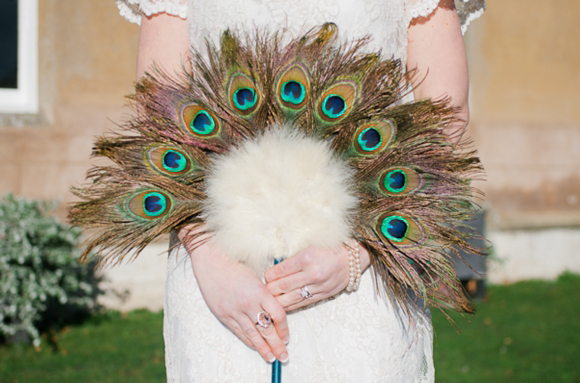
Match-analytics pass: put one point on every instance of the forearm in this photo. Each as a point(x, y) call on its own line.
point(163, 41)
point(231, 290)
point(202, 255)
point(436, 51)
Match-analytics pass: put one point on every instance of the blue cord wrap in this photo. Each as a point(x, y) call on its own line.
point(277, 366)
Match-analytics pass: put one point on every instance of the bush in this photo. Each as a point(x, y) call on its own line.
point(42, 286)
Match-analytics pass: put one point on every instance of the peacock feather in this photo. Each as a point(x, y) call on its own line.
point(272, 145)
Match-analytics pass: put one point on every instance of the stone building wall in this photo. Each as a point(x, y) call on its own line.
point(86, 67)
point(525, 74)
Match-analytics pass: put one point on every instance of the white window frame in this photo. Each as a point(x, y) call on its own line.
point(24, 99)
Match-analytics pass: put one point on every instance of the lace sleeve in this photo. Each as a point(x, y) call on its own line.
point(133, 9)
point(468, 10)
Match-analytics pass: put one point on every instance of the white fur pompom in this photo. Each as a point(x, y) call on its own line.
point(276, 195)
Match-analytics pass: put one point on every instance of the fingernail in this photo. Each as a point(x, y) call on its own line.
point(286, 340)
point(271, 358)
point(284, 358)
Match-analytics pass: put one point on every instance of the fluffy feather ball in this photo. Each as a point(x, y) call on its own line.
point(277, 194)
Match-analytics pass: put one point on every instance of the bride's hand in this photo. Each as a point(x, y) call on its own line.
point(324, 271)
point(236, 295)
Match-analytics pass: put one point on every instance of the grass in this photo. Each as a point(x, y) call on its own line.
point(110, 348)
point(526, 332)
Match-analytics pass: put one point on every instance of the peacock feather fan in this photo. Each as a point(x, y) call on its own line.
point(272, 145)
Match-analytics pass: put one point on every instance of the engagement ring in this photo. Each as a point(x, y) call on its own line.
point(305, 292)
point(263, 319)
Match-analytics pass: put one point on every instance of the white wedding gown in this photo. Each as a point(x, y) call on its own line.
point(355, 337)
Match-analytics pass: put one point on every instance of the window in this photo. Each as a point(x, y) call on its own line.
point(19, 59)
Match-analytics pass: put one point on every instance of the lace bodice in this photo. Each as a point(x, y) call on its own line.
point(385, 21)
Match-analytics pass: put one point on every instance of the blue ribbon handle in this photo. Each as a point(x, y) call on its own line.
point(277, 366)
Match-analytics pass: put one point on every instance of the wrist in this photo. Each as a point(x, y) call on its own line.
point(365, 258)
point(193, 239)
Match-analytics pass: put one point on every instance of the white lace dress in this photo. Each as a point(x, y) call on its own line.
point(355, 337)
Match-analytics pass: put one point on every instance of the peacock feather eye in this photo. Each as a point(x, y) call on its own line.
point(154, 204)
point(395, 181)
point(294, 87)
point(245, 98)
point(333, 106)
point(199, 120)
point(337, 101)
point(400, 229)
point(395, 228)
point(400, 181)
point(173, 161)
point(293, 93)
point(149, 204)
point(202, 124)
point(374, 137)
point(243, 94)
point(168, 160)
point(369, 139)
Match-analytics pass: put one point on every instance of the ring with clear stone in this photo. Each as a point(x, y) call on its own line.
point(305, 292)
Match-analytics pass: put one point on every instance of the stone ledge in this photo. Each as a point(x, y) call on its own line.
point(19, 120)
point(142, 279)
point(532, 220)
point(532, 254)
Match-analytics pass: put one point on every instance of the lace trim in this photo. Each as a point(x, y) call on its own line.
point(467, 10)
point(421, 8)
point(470, 17)
point(132, 10)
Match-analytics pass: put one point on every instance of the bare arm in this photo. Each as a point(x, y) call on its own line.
point(436, 49)
point(231, 290)
point(163, 40)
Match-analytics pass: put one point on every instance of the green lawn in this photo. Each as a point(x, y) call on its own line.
point(111, 348)
point(527, 332)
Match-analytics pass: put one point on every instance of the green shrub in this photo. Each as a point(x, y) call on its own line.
point(42, 286)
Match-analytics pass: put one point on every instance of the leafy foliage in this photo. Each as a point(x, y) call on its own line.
point(41, 284)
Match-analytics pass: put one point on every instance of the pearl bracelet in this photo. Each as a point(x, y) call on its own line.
point(354, 268)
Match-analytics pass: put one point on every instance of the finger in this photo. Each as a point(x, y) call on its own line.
point(237, 330)
point(276, 311)
point(295, 297)
point(274, 341)
point(303, 303)
point(294, 307)
point(283, 269)
point(287, 284)
point(250, 330)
